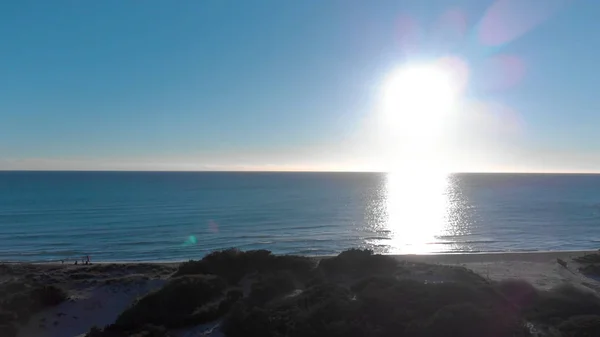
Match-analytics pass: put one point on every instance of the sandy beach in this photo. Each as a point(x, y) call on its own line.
point(538, 268)
point(97, 294)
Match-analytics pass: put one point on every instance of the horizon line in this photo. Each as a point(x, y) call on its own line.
point(299, 171)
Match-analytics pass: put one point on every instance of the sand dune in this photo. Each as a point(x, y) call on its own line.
point(106, 292)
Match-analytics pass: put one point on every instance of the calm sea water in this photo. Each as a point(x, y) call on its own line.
point(120, 216)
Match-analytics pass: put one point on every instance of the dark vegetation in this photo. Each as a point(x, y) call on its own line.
point(356, 293)
point(233, 264)
point(590, 265)
point(588, 258)
point(20, 299)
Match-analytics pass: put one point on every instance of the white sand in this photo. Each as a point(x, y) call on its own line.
point(100, 306)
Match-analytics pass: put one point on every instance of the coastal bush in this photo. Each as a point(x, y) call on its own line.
point(561, 303)
point(143, 331)
point(588, 258)
point(174, 304)
point(82, 276)
point(8, 330)
point(216, 310)
point(20, 299)
point(519, 292)
point(233, 264)
point(380, 306)
point(26, 299)
point(592, 270)
point(462, 320)
point(47, 296)
point(357, 262)
point(410, 300)
point(581, 326)
point(307, 314)
point(271, 286)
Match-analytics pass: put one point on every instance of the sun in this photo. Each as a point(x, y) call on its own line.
point(416, 100)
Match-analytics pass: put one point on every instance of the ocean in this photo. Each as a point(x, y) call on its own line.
point(174, 216)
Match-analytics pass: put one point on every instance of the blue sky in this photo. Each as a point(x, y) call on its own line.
point(290, 85)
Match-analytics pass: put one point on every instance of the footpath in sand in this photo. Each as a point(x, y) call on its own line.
point(97, 294)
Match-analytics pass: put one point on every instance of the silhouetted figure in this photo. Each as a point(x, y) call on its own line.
point(76, 262)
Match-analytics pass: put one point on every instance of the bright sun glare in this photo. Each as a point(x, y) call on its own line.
point(416, 99)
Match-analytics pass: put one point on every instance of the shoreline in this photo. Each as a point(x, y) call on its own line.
point(444, 258)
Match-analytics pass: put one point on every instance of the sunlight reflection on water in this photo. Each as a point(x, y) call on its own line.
point(418, 210)
point(415, 207)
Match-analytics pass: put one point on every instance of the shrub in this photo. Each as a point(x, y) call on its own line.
point(590, 270)
point(469, 320)
point(581, 326)
point(216, 310)
point(561, 303)
point(174, 304)
point(271, 286)
point(307, 314)
point(518, 292)
point(588, 258)
point(143, 331)
point(244, 322)
point(233, 264)
point(25, 303)
point(47, 296)
point(356, 262)
point(8, 330)
point(380, 306)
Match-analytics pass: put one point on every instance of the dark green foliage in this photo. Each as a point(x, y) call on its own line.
point(271, 286)
point(82, 276)
point(245, 322)
point(20, 299)
point(380, 306)
point(143, 331)
point(311, 313)
point(354, 294)
point(559, 304)
point(462, 320)
point(592, 270)
point(357, 262)
point(588, 258)
point(214, 311)
point(581, 326)
point(233, 264)
point(7, 317)
point(174, 304)
point(47, 296)
point(8, 330)
point(518, 292)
